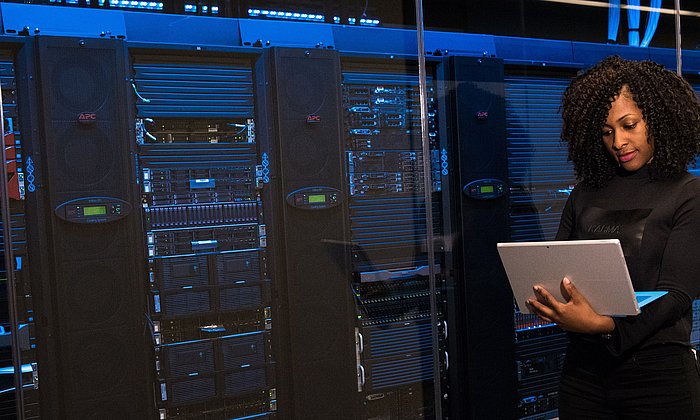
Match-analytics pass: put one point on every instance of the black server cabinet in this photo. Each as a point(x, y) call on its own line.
point(482, 366)
point(83, 226)
point(340, 138)
point(302, 156)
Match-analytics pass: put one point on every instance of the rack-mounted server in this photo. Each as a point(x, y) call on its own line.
point(209, 295)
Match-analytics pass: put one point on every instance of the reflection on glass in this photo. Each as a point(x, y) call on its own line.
point(280, 204)
point(387, 217)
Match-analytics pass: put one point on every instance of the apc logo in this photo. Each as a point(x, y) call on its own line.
point(313, 119)
point(87, 117)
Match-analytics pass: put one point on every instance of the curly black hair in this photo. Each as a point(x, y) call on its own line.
point(669, 107)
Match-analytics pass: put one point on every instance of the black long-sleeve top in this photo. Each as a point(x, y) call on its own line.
point(658, 225)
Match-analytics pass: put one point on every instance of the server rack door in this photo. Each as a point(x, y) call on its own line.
point(87, 274)
point(299, 100)
point(482, 373)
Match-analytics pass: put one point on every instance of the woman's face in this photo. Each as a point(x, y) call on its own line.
point(625, 133)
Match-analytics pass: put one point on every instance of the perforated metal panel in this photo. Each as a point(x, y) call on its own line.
point(540, 175)
point(193, 88)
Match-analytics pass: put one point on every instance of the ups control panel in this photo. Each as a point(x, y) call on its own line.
point(93, 210)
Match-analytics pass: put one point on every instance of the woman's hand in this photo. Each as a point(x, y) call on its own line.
point(576, 315)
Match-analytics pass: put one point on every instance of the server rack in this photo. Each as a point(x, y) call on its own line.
point(299, 132)
point(382, 141)
point(210, 295)
point(482, 374)
point(175, 134)
point(87, 301)
point(346, 184)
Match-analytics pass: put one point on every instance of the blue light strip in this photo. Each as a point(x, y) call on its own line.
point(193, 254)
point(214, 10)
point(8, 390)
point(223, 337)
point(9, 370)
point(369, 22)
point(308, 17)
point(362, 21)
point(192, 8)
point(254, 416)
point(535, 327)
point(134, 4)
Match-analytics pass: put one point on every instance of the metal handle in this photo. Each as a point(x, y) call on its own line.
point(204, 245)
point(361, 341)
point(212, 329)
point(447, 361)
point(385, 275)
point(362, 375)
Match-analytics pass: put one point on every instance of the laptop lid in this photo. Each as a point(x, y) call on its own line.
point(596, 267)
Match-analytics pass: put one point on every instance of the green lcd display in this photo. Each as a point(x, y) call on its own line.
point(317, 198)
point(94, 210)
point(486, 189)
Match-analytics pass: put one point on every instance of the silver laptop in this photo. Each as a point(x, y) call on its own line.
point(596, 267)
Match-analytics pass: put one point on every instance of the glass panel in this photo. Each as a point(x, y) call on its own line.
point(235, 215)
point(289, 209)
point(14, 321)
point(616, 22)
point(503, 128)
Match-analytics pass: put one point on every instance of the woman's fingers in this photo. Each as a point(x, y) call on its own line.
point(538, 309)
point(544, 303)
point(575, 315)
point(544, 297)
point(567, 288)
point(571, 293)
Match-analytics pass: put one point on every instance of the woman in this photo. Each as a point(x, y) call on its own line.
point(632, 129)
